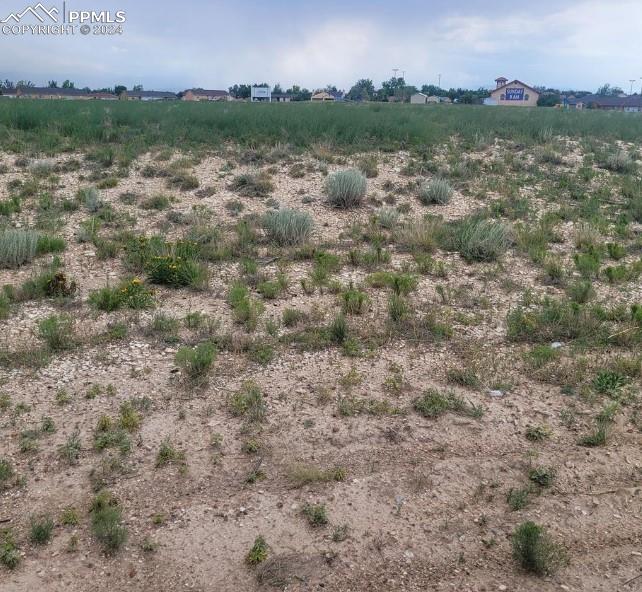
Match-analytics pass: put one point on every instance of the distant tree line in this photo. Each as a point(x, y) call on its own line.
point(116, 89)
point(549, 97)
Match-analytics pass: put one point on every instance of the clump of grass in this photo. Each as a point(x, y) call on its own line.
point(478, 239)
point(9, 552)
point(57, 332)
point(553, 320)
point(301, 475)
point(259, 551)
point(156, 202)
point(70, 450)
point(246, 310)
point(69, 517)
point(437, 191)
point(252, 185)
point(603, 422)
point(183, 181)
point(466, 377)
point(109, 435)
point(346, 189)
point(292, 317)
point(316, 514)
point(534, 550)
point(542, 476)
point(369, 166)
point(176, 271)
point(128, 294)
point(418, 236)
point(287, 227)
point(248, 402)
point(17, 247)
point(354, 301)
point(168, 454)
point(433, 404)
point(40, 529)
point(537, 433)
point(6, 473)
point(106, 521)
point(400, 283)
point(518, 498)
point(197, 361)
point(609, 382)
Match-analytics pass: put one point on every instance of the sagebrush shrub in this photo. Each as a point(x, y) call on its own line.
point(287, 227)
point(620, 162)
point(17, 247)
point(346, 189)
point(437, 191)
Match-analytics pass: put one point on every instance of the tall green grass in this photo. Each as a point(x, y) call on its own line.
point(52, 126)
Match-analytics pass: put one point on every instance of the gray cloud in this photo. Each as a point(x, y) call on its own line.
point(170, 46)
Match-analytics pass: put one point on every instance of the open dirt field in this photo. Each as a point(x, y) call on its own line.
point(384, 397)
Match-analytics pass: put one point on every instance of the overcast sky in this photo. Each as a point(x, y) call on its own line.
point(170, 45)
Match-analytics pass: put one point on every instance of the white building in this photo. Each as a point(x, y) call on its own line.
point(261, 94)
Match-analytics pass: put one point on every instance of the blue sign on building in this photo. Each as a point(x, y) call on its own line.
point(514, 94)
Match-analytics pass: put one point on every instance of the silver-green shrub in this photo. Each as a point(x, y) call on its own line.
point(287, 227)
point(346, 189)
point(17, 247)
point(437, 191)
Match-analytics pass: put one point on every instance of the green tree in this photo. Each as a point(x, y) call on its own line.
point(298, 93)
point(119, 89)
point(240, 91)
point(68, 84)
point(362, 90)
point(52, 84)
point(606, 90)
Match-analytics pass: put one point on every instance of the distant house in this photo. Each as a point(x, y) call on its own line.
point(424, 99)
point(281, 97)
point(200, 94)
point(514, 94)
point(630, 104)
point(104, 96)
point(74, 94)
point(148, 95)
point(322, 96)
point(37, 92)
point(8, 93)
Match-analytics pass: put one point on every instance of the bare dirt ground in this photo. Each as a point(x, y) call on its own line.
point(422, 502)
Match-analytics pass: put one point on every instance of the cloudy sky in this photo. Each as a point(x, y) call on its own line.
point(169, 45)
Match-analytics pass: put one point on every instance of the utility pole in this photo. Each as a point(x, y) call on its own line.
point(631, 81)
point(394, 72)
point(439, 83)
